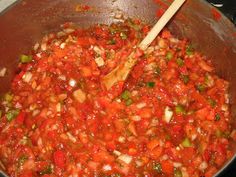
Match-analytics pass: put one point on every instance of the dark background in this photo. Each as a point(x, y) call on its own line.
point(228, 9)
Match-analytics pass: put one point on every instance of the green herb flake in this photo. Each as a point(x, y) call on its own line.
point(123, 35)
point(212, 102)
point(47, 170)
point(25, 58)
point(217, 117)
point(200, 88)
point(189, 50)
point(169, 55)
point(185, 78)
point(129, 102)
point(179, 109)
point(150, 84)
point(180, 62)
point(126, 95)
point(177, 172)
point(10, 115)
point(157, 167)
point(186, 143)
point(111, 42)
point(22, 160)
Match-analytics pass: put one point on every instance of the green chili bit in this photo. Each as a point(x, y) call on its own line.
point(8, 97)
point(111, 42)
point(180, 62)
point(126, 95)
point(200, 88)
point(25, 59)
point(150, 84)
point(10, 115)
point(185, 78)
point(212, 102)
point(177, 172)
point(157, 167)
point(47, 170)
point(189, 50)
point(217, 117)
point(129, 102)
point(186, 143)
point(179, 109)
point(157, 71)
point(169, 55)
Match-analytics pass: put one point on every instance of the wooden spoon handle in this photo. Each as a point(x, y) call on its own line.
point(165, 18)
point(121, 72)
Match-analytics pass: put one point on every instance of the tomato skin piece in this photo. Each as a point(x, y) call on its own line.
point(59, 158)
point(20, 118)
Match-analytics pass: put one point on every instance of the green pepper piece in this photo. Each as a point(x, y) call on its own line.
point(8, 97)
point(179, 109)
point(47, 170)
point(111, 42)
point(129, 102)
point(25, 59)
point(186, 143)
point(200, 88)
point(126, 95)
point(10, 115)
point(180, 62)
point(217, 117)
point(189, 50)
point(212, 102)
point(169, 55)
point(185, 78)
point(157, 167)
point(150, 84)
point(177, 172)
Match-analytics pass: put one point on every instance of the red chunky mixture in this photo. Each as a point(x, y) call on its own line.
point(170, 118)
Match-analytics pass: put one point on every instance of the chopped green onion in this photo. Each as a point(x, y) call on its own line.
point(189, 50)
point(179, 109)
point(10, 115)
point(212, 102)
point(200, 88)
point(157, 167)
point(185, 78)
point(169, 55)
point(180, 61)
point(123, 35)
point(128, 102)
point(126, 95)
point(111, 42)
point(186, 143)
point(25, 59)
point(150, 84)
point(177, 172)
point(47, 170)
point(217, 117)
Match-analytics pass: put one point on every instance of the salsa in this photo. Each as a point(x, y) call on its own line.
point(170, 118)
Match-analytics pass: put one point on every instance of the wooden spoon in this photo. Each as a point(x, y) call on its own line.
point(121, 72)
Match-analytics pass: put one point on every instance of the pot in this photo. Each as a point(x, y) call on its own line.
point(26, 22)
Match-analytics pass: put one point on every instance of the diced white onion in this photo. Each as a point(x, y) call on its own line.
point(141, 105)
point(43, 46)
point(98, 50)
point(136, 118)
point(71, 137)
point(72, 82)
point(62, 46)
point(177, 164)
point(99, 61)
point(121, 139)
point(125, 158)
point(3, 72)
point(106, 168)
point(79, 95)
point(36, 46)
point(118, 153)
point(203, 166)
point(168, 114)
point(27, 77)
point(58, 107)
point(194, 136)
point(69, 30)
